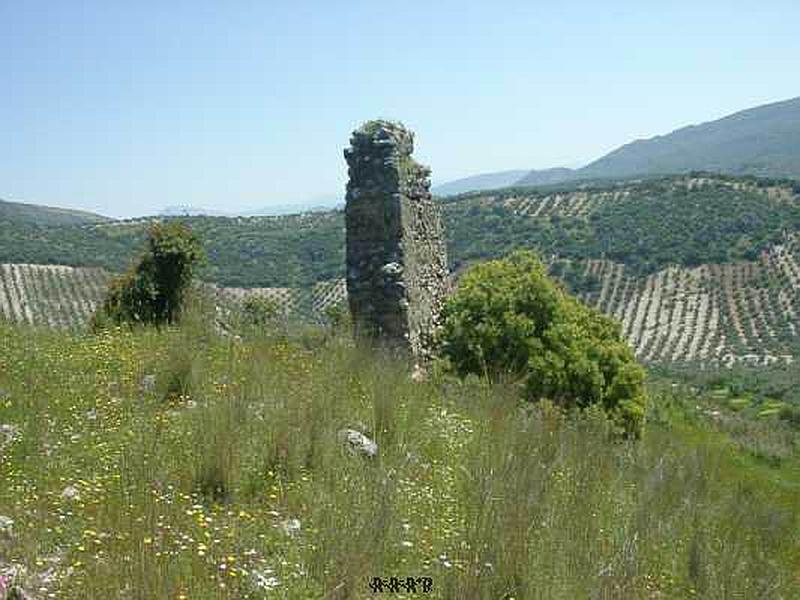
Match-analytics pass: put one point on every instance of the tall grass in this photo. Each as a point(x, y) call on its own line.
point(190, 488)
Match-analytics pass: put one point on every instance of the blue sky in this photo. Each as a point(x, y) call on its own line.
point(126, 107)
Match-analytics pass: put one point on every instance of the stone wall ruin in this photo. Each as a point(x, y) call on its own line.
point(397, 276)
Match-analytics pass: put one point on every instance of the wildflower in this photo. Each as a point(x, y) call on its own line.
point(71, 493)
point(6, 525)
point(264, 579)
point(291, 526)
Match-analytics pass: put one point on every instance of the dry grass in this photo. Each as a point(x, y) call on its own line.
point(190, 488)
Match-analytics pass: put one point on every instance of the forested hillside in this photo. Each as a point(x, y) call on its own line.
point(18, 212)
point(646, 225)
point(242, 251)
point(697, 268)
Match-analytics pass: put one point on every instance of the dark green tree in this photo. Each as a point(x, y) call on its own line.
point(259, 311)
point(508, 318)
point(154, 289)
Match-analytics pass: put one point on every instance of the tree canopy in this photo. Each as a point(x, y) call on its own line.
point(508, 318)
point(153, 290)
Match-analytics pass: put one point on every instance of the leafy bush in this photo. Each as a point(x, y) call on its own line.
point(791, 416)
point(153, 290)
point(259, 311)
point(508, 318)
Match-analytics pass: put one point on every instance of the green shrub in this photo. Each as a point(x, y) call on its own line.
point(509, 319)
point(791, 416)
point(154, 289)
point(259, 311)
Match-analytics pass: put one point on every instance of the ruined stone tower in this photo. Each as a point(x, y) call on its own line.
point(396, 257)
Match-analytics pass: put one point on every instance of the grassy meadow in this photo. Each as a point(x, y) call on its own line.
point(179, 464)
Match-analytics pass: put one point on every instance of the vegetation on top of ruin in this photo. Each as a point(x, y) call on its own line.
point(370, 128)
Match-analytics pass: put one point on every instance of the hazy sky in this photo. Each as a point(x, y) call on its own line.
point(125, 107)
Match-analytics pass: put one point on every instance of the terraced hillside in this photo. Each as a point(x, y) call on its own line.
point(698, 267)
point(53, 295)
point(717, 313)
point(744, 312)
point(646, 225)
point(309, 304)
point(66, 297)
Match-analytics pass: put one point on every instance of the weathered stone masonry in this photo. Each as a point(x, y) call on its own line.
point(396, 258)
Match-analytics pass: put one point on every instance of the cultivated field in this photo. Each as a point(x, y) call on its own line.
point(52, 295)
point(724, 313)
point(66, 297)
point(740, 312)
point(576, 203)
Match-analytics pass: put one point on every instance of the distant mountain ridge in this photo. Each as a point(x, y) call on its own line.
point(763, 141)
point(312, 205)
point(21, 212)
point(316, 205)
point(192, 211)
point(475, 183)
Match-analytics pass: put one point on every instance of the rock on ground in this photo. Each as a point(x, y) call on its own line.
point(358, 442)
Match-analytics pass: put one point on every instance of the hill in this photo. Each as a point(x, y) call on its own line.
point(191, 211)
point(762, 141)
point(52, 295)
point(484, 181)
point(712, 219)
point(18, 212)
point(699, 268)
point(319, 204)
point(64, 297)
point(281, 251)
point(647, 224)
